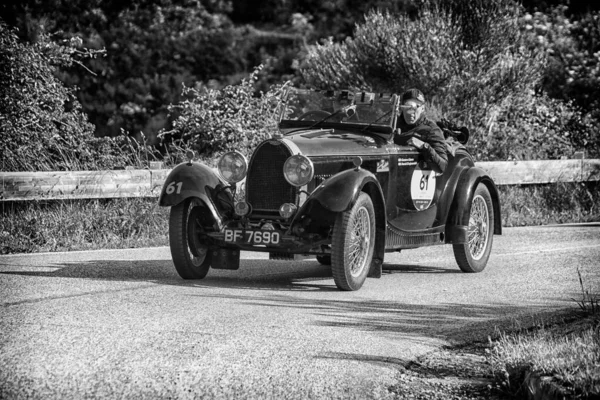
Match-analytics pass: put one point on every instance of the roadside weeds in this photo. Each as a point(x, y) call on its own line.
point(488, 364)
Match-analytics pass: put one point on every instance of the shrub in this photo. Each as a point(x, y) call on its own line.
point(211, 120)
point(153, 48)
point(41, 123)
point(573, 70)
point(486, 79)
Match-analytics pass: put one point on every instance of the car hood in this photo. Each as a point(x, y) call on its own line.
point(337, 142)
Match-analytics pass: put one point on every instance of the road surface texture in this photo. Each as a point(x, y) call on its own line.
point(122, 324)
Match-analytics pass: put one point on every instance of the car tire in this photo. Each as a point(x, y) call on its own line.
point(353, 243)
point(191, 257)
point(324, 260)
point(473, 255)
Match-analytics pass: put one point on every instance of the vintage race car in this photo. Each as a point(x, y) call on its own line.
point(332, 184)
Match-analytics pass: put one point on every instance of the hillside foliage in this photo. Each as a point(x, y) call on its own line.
point(486, 79)
point(212, 121)
point(524, 82)
point(42, 125)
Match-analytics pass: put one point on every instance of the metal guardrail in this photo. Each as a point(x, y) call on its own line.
point(63, 185)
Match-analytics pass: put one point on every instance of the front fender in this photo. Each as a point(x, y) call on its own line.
point(338, 193)
point(463, 195)
point(197, 180)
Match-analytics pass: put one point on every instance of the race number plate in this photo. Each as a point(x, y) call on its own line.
point(422, 188)
point(252, 237)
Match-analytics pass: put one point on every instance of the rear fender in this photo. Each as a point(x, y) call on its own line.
point(467, 183)
point(197, 180)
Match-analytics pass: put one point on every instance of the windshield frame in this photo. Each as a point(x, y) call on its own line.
point(374, 105)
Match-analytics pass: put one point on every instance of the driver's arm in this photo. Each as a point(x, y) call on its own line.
point(432, 145)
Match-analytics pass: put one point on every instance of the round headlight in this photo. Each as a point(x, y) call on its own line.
point(298, 170)
point(242, 208)
point(232, 166)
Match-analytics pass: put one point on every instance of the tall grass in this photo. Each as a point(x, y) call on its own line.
point(81, 225)
point(571, 358)
point(567, 351)
point(555, 203)
point(120, 223)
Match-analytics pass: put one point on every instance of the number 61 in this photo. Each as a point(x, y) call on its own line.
point(174, 187)
point(424, 184)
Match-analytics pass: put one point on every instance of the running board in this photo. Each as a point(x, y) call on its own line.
point(398, 239)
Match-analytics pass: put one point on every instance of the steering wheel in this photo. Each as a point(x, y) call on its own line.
point(314, 115)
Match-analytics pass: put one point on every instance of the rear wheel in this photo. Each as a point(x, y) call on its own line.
point(353, 244)
point(190, 255)
point(473, 255)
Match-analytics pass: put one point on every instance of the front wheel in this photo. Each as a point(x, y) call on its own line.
point(190, 255)
point(353, 243)
point(473, 255)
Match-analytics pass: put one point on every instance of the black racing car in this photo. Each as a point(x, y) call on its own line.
point(332, 184)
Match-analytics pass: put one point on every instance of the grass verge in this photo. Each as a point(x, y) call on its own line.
point(82, 225)
point(553, 203)
point(39, 226)
point(568, 352)
point(562, 346)
point(555, 352)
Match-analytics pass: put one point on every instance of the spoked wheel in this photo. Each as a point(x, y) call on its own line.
point(353, 243)
point(473, 255)
point(191, 257)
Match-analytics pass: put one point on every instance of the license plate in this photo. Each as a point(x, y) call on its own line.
point(252, 237)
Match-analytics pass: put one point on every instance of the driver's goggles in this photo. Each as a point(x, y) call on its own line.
point(408, 107)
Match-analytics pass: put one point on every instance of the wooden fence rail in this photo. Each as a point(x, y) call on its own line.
point(19, 186)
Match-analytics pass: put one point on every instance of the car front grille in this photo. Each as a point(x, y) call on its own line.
point(266, 188)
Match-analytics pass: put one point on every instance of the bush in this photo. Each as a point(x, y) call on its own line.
point(211, 121)
point(42, 125)
point(475, 63)
point(152, 49)
point(572, 73)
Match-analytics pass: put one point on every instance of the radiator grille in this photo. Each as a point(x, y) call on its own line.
point(266, 188)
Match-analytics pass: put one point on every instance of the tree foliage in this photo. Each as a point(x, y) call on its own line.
point(212, 121)
point(476, 65)
point(483, 63)
point(42, 125)
point(573, 72)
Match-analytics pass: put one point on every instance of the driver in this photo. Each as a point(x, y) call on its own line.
point(420, 132)
point(343, 104)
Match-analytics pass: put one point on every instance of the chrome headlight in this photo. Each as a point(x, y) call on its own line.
point(232, 166)
point(298, 170)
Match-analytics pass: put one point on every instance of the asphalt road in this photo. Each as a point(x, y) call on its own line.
point(121, 324)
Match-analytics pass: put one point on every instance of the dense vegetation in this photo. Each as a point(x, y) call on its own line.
point(525, 81)
point(100, 84)
point(483, 72)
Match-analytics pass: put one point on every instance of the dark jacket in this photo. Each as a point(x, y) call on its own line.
point(435, 150)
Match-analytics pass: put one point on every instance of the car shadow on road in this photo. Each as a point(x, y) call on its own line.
point(452, 323)
point(253, 274)
point(416, 268)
